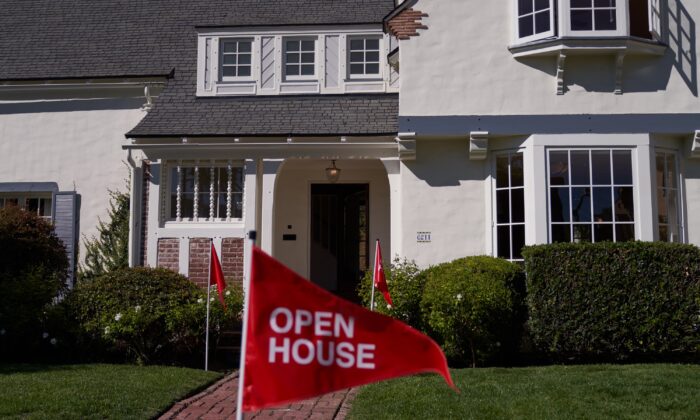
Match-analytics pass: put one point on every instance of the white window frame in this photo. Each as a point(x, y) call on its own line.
point(222, 42)
point(614, 223)
point(680, 214)
point(380, 64)
point(621, 16)
point(22, 199)
point(230, 166)
point(495, 189)
point(300, 77)
point(535, 37)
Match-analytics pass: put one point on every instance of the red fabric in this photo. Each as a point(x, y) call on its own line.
point(379, 277)
point(290, 318)
point(216, 275)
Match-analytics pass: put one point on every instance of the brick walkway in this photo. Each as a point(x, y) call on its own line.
point(219, 402)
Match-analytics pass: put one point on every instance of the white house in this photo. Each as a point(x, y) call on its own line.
point(444, 128)
point(538, 121)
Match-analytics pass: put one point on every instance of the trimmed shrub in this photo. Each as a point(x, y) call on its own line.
point(474, 309)
point(148, 315)
point(405, 284)
point(33, 267)
point(614, 301)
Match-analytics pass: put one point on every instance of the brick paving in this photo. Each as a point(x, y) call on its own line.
point(219, 402)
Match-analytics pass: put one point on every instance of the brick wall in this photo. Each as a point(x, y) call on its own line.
point(169, 253)
point(199, 261)
point(407, 23)
point(232, 259)
point(144, 211)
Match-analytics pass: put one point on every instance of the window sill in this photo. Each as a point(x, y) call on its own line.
point(587, 45)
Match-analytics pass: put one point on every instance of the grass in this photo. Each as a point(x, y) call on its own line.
point(95, 391)
point(552, 392)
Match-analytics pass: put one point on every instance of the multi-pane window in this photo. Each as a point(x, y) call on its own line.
point(591, 195)
point(300, 58)
point(668, 198)
point(41, 206)
point(535, 18)
point(199, 193)
point(363, 57)
point(236, 58)
point(593, 15)
point(510, 206)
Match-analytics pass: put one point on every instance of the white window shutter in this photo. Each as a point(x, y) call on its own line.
point(655, 12)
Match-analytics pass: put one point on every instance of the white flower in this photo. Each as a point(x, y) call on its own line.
point(138, 308)
point(388, 306)
point(211, 299)
point(118, 316)
point(54, 341)
point(459, 297)
point(228, 293)
point(200, 300)
point(106, 330)
point(45, 335)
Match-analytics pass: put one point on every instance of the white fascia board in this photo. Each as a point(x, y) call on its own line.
point(291, 30)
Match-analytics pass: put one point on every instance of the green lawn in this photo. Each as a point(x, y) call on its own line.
point(553, 392)
point(94, 391)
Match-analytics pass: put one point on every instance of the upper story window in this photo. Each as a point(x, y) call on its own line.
point(300, 58)
point(294, 60)
point(364, 59)
point(206, 192)
point(542, 19)
point(236, 58)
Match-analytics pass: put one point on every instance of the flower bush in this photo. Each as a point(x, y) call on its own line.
point(149, 315)
point(405, 284)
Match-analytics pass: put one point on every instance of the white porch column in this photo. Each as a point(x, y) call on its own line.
point(393, 170)
point(153, 215)
point(537, 225)
point(250, 206)
point(646, 181)
point(135, 208)
point(270, 169)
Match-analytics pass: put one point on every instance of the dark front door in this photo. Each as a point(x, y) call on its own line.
point(339, 237)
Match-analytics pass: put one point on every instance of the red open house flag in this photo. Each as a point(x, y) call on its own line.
point(303, 341)
point(379, 277)
point(216, 275)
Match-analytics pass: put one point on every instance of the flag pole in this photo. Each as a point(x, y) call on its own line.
point(252, 235)
point(374, 273)
point(206, 339)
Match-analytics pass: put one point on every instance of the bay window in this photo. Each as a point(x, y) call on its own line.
point(204, 192)
point(668, 203)
point(509, 225)
point(535, 19)
point(591, 195)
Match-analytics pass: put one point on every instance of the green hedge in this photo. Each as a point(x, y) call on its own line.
point(614, 301)
point(474, 309)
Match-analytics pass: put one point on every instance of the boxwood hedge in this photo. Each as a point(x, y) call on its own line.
point(614, 301)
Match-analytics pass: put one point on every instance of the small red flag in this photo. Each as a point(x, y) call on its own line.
point(379, 277)
point(216, 275)
point(303, 341)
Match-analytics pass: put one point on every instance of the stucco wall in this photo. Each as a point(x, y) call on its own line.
point(444, 193)
point(76, 144)
point(292, 200)
point(461, 65)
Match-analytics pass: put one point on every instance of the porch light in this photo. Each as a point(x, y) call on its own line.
point(333, 173)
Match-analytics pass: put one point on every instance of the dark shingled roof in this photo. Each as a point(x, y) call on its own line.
point(60, 39)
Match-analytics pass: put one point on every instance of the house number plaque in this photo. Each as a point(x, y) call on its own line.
point(423, 237)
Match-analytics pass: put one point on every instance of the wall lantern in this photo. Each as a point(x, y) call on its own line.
point(333, 173)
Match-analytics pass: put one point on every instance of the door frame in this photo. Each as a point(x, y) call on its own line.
point(309, 203)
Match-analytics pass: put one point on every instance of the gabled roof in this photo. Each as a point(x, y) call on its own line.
point(60, 39)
